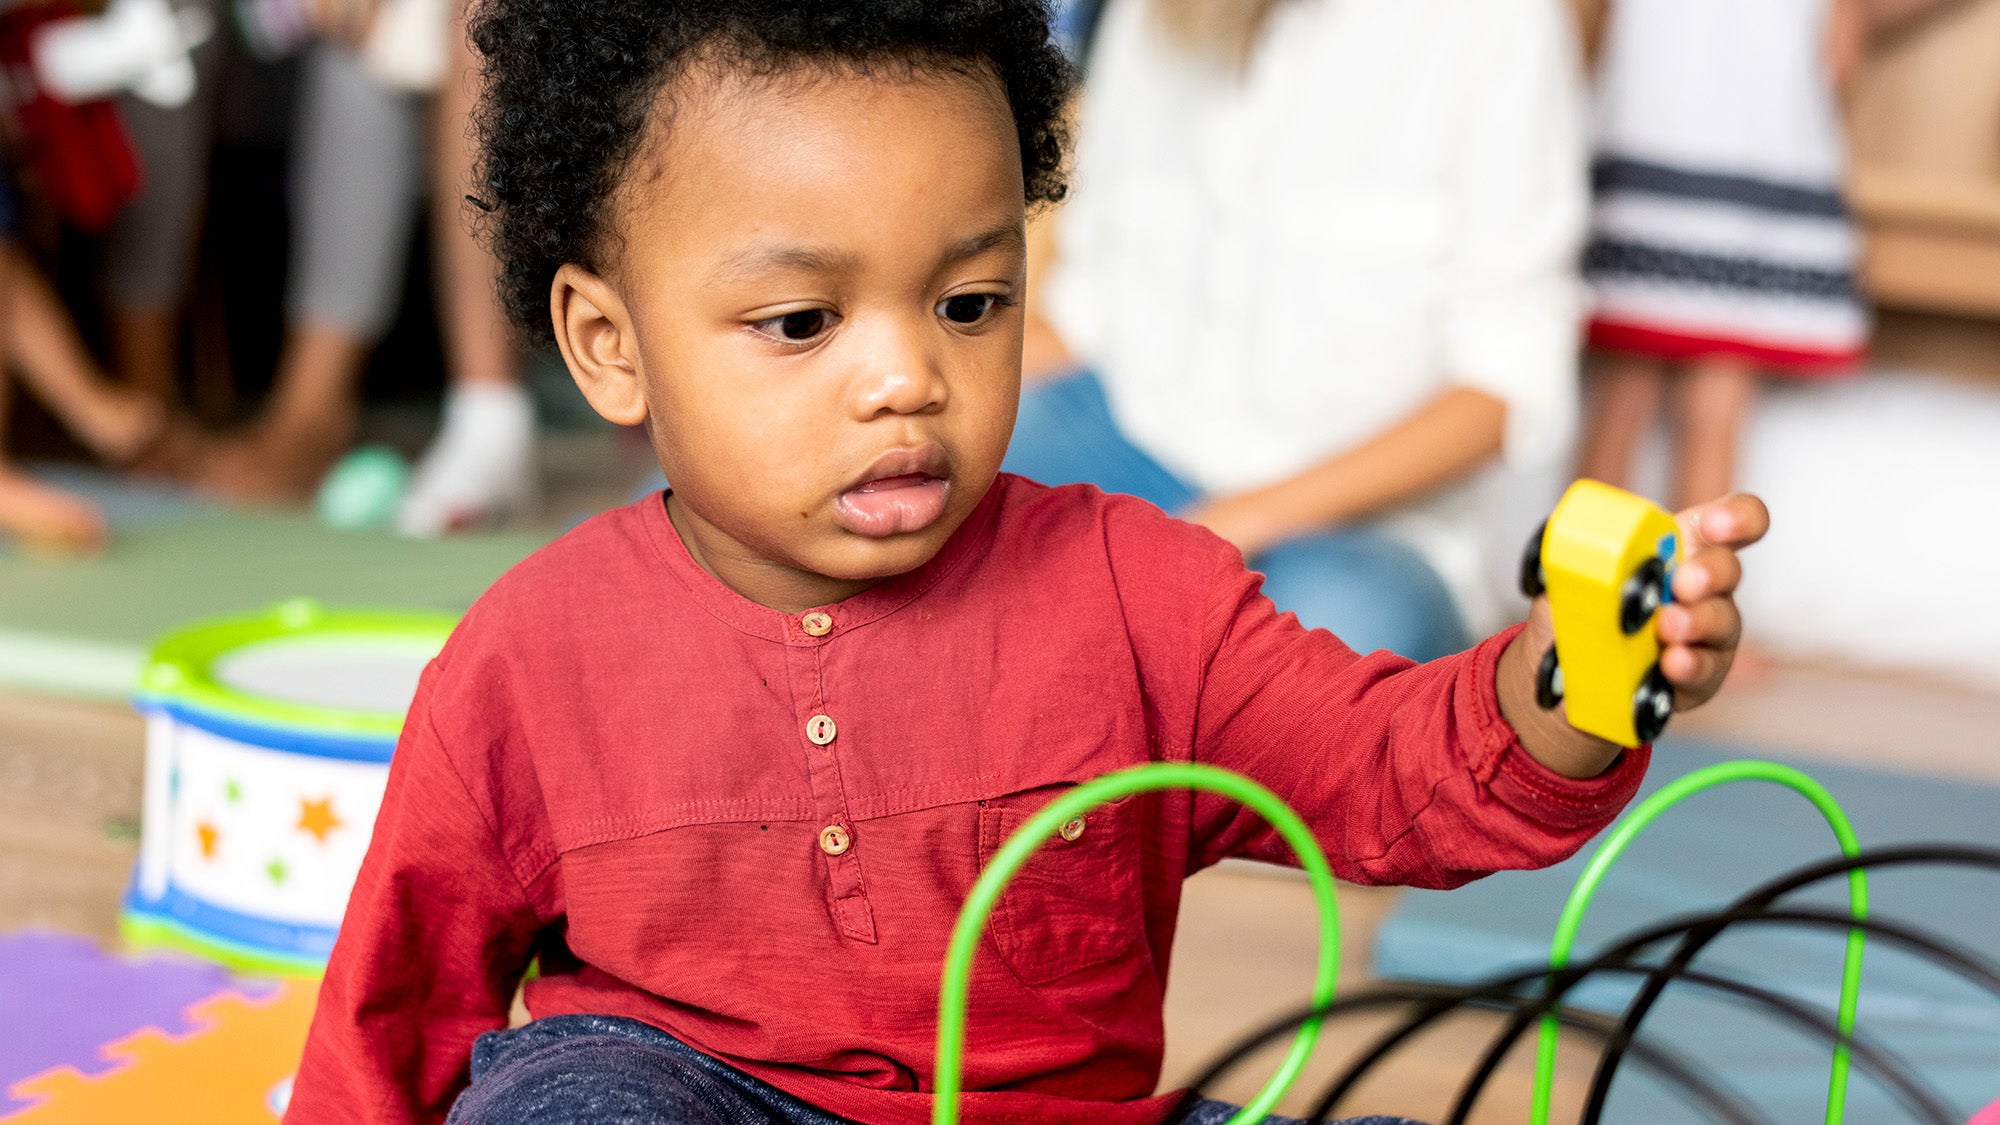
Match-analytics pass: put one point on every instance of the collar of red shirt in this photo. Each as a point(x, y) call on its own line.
point(972, 539)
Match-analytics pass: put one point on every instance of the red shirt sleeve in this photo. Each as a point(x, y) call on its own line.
point(435, 940)
point(1407, 773)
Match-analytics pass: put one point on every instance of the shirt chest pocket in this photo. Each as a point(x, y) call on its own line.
point(1077, 902)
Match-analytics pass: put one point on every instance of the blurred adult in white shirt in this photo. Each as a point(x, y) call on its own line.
point(1316, 288)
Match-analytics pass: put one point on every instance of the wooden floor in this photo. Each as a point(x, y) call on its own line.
point(69, 807)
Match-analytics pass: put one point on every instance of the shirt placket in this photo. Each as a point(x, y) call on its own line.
point(821, 737)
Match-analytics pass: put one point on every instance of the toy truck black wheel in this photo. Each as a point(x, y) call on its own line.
point(1532, 581)
point(1643, 594)
point(1652, 705)
point(1549, 681)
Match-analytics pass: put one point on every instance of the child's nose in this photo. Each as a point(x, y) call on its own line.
point(899, 376)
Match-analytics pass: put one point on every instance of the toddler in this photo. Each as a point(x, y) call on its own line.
point(725, 763)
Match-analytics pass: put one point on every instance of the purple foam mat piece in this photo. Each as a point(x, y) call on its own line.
point(62, 999)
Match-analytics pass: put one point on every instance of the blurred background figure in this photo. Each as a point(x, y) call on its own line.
point(62, 63)
point(40, 345)
point(368, 140)
point(1721, 247)
point(1315, 286)
point(482, 462)
point(1720, 242)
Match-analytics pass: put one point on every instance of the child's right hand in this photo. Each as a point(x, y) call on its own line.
point(1698, 632)
point(1700, 629)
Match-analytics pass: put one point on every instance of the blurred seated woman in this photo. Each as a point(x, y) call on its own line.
point(1315, 287)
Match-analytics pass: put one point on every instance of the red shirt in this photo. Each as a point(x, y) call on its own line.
point(621, 765)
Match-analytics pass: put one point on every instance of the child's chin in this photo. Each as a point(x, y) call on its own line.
point(870, 558)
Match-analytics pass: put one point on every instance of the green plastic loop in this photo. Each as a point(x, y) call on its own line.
point(985, 894)
point(1628, 829)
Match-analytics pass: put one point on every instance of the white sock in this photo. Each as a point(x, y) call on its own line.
point(480, 464)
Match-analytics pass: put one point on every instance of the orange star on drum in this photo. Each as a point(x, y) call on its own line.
point(317, 817)
point(208, 836)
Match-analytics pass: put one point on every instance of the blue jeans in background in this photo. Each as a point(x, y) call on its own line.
point(1370, 590)
point(607, 1070)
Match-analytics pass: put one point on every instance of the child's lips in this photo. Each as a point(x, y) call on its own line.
point(902, 492)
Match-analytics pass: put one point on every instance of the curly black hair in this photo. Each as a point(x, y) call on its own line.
point(568, 85)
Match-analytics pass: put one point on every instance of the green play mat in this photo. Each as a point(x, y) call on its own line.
point(83, 627)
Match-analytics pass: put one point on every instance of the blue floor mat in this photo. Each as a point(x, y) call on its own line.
point(1705, 853)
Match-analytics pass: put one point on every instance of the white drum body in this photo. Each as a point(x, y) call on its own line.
point(267, 752)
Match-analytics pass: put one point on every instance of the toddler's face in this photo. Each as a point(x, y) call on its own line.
point(813, 303)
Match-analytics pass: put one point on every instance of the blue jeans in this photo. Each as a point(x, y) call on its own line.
point(1370, 590)
point(607, 1070)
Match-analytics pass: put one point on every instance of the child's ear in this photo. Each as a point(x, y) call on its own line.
point(595, 334)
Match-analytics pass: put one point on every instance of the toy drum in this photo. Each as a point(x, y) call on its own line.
point(267, 749)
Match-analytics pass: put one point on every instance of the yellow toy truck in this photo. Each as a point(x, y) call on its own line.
point(1606, 560)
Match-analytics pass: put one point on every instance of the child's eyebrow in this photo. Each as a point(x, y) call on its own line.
point(758, 260)
point(1006, 236)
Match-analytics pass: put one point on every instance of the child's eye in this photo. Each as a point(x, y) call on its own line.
point(796, 327)
point(969, 308)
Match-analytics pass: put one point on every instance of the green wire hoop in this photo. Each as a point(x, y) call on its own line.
point(1644, 814)
point(1032, 835)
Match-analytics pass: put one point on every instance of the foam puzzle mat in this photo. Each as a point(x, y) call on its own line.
point(88, 1037)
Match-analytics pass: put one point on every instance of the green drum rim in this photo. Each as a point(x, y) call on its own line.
point(180, 671)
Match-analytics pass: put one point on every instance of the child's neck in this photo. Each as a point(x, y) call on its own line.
point(769, 583)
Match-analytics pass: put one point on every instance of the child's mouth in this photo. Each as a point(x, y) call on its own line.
point(902, 493)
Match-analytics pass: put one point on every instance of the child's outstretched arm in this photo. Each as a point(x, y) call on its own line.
point(1430, 774)
point(437, 935)
point(1698, 634)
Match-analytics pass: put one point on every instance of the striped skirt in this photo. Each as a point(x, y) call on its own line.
point(1719, 227)
point(1685, 265)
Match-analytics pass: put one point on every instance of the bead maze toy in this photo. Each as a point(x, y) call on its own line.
point(1046, 824)
point(1605, 558)
point(1535, 995)
point(268, 740)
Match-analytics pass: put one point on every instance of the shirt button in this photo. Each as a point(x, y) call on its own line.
point(820, 729)
point(816, 624)
point(835, 840)
point(1071, 828)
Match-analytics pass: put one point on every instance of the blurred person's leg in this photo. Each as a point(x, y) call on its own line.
point(1622, 402)
point(356, 175)
point(482, 461)
point(151, 245)
point(41, 518)
point(1712, 400)
point(32, 514)
point(1371, 591)
point(43, 347)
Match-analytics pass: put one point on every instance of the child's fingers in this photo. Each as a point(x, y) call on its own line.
point(1736, 520)
point(1712, 622)
point(1696, 673)
point(1710, 572)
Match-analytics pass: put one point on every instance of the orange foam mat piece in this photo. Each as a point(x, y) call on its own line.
point(221, 1073)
